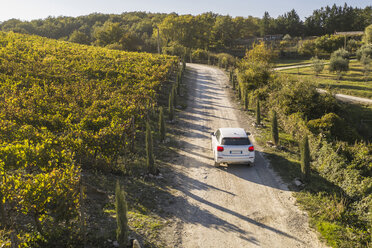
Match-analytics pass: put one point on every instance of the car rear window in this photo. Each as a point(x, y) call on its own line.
point(236, 141)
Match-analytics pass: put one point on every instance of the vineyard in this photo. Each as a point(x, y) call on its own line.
point(63, 108)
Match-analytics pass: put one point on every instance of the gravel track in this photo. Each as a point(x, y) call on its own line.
point(228, 206)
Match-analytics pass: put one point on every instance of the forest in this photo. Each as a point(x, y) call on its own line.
point(138, 31)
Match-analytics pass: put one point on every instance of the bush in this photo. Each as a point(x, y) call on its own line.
point(290, 96)
point(114, 46)
point(79, 37)
point(353, 45)
point(307, 48)
point(365, 50)
point(318, 65)
point(225, 60)
point(329, 43)
point(332, 127)
point(175, 49)
point(339, 62)
point(200, 56)
point(368, 35)
point(341, 53)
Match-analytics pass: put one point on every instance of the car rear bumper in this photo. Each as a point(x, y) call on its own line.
point(235, 159)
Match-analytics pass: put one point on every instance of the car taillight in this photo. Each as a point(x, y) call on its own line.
point(220, 148)
point(251, 149)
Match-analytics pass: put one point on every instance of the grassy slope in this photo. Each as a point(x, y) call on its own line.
point(352, 82)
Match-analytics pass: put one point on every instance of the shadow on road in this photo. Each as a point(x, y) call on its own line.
point(190, 207)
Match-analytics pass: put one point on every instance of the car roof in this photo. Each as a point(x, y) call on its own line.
point(233, 132)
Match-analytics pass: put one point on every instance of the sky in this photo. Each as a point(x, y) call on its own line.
point(39, 9)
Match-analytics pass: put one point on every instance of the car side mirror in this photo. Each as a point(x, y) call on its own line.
point(212, 133)
point(248, 133)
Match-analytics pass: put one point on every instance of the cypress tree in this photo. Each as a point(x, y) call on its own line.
point(161, 124)
point(233, 82)
point(258, 112)
point(149, 150)
point(274, 129)
point(239, 92)
point(122, 230)
point(171, 106)
point(174, 89)
point(246, 100)
point(231, 73)
point(305, 159)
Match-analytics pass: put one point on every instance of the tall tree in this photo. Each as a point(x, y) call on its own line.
point(289, 23)
point(266, 24)
point(223, 32)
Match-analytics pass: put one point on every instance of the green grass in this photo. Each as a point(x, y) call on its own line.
point(291, 62)
point(351, 83)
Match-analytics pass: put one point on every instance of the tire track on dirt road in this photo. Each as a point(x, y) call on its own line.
point(235, 205)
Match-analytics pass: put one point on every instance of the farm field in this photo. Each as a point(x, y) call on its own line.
point(351, 83)
point(67, 109)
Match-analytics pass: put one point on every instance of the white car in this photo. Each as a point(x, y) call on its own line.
point(232, 146)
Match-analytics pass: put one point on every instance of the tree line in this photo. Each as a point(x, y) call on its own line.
point(138, 31)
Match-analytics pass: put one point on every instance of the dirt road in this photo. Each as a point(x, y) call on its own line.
point(348, 98)
point(234, 206)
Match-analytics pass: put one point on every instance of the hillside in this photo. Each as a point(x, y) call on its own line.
point(65, 108)
point(137, 31)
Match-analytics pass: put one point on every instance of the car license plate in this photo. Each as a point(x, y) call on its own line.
point(235, 152)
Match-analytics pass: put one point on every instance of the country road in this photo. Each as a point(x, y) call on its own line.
point(233, 206)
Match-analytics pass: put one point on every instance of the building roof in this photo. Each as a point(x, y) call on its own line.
point(233, 132)
point(350, 33)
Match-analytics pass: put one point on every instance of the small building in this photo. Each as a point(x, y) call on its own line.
point(271, 37)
